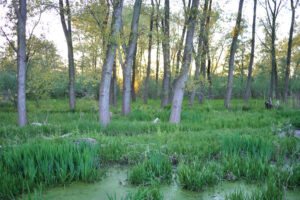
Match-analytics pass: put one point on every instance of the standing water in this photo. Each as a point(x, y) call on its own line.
point(115, 184)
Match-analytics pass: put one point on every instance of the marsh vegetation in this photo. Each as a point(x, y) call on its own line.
point(212, 146)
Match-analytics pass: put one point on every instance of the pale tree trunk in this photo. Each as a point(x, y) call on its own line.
point(232, 53)
point(249, 80)
point(290, 44)
point(68, 34)
point(187, 56)
point(149, 55)
point(104, 114)
point(134, 65)
point(21, 53)
point(200, 43)
point(129, 58)
point(203, 56)
point(166, 53)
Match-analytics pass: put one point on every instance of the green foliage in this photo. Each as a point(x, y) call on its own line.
point(30, 165)
point(196, 176)
point(8, 84)
point(155, 168)
point(211, 144)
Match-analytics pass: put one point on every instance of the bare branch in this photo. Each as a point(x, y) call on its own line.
point(9, 41)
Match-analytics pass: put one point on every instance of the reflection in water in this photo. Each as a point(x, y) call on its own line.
point(115, 183)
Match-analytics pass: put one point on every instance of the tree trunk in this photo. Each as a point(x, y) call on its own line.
point(203, 57)
point(249, 80)
point(157, 51)
point(68, 34)
point(104, 114)
point(113, 86)
point(200, 43)
point(232, 53)
point(149, 55)
point(134, 65)
point(288, 60)
point(209, 74)
point(178, 56)
point(181, 80)
point(21, 52)
point(129, 58)
point(166, 52)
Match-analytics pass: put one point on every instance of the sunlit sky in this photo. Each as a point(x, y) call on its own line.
point(50, 24)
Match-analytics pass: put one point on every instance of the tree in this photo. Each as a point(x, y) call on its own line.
point(204, 52)
point(248, 87)
point(68, 34)
point(134, 66)
point(113, 86)
point(129, 57)
point(149, 54)
point(158, 49)
point(21, 53)
point(232, 53)
point(200, 43)
point(166, 55)
point(112, 44)
point(272, 8)
point(180, 45)
point(187, 56)
point(289, 52)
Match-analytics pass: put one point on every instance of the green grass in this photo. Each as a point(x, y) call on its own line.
point(31, 165)
point(155, 167)
point(211, 144)
point(197, 176)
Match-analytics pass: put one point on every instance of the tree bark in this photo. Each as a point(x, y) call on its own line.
point(203, 56)
point(232, 53)
point(129, 58)
point(157, 51)
point(149, 55)
point(21, 54)
point(209, 74)
point(104, 114)
point(289, 52)
point(113, 86)
point(68, 34)
point(178, 56)
point(200, 43)
point(272, 14)
point(187, 56)
point(249, 80)
point(134, 65)
point(166, 54)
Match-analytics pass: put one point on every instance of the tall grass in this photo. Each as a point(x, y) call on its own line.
point(211, 143)
point(30, 165)
point(197, 176)
point(154, 168)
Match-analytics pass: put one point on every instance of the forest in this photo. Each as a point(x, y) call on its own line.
point(149, 99)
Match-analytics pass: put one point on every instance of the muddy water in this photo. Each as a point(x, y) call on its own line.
point(115, 184)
